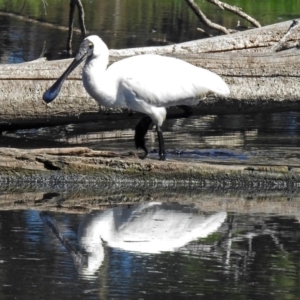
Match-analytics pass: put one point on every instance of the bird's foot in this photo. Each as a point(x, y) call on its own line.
point(162, 157)
point(140, 132)
point(143, 147)
point(145, 155)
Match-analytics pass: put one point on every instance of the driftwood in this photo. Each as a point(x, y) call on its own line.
point(201, 16)
point(259, 79)
point(224, 6)
point(236, 10)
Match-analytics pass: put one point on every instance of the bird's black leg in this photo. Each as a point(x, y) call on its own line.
point(161, 144)
point(141, 130)
point(143, 126)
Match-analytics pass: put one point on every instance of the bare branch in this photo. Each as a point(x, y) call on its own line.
point(204, 19)
point(45, 6)
point(71, 22)
point(73, 4)
point(204, 32)
point(24, 3)
point(281, 44)
point(235, 10)
point(81, 18)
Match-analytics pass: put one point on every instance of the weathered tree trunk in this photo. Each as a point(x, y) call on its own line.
point(259, 80)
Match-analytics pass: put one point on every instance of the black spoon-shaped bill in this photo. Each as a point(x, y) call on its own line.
point(54, 90)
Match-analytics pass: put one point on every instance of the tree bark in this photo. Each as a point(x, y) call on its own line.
point(259, 80)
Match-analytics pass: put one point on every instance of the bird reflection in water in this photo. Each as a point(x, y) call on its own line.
point(144, 228)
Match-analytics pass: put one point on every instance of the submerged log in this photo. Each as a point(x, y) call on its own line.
point(260, 80)
point(54, 167)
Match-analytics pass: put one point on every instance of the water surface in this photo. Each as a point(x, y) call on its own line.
point(30, 30)
point(244, 255)
point(42, 31)
point(251, 139)
point(250, 251)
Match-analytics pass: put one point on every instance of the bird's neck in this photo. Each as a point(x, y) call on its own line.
point(95, 82)
point(98, 63)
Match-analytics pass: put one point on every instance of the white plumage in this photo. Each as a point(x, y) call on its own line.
point(145, 83)
point(145, 228)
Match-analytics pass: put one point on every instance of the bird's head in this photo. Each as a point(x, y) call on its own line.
point(91, 47)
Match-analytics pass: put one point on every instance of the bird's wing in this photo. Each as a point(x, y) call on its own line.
point(164, 81)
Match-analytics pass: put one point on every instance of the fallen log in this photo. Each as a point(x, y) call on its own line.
point(260, 80)
point(54, 167)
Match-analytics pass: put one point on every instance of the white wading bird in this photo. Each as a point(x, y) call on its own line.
point(145, 228)
point(143, 83)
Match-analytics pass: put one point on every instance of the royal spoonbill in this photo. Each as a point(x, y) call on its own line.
point(153, 227)
point(144, 83)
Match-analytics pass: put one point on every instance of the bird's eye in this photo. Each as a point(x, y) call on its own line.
point(91, 45)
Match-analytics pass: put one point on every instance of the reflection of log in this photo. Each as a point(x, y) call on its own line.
point(206, 200)
point(259, 80)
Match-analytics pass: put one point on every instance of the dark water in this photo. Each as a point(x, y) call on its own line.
point(30, 30)
point(258, 138)
point(163, 250)
point(35, 30)
point(211, 255)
